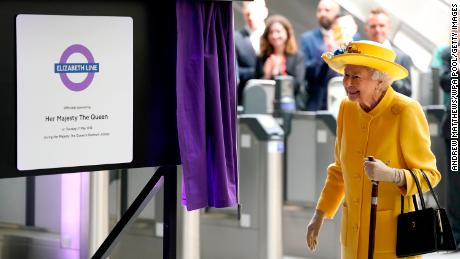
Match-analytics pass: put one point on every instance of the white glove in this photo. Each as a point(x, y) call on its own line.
point(313, 229)
point(379, 171)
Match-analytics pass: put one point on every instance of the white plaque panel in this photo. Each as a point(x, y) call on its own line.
point(74, 91)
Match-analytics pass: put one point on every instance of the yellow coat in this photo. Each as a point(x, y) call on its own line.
point(396, 132)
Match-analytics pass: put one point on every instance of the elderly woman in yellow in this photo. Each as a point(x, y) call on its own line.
point(374, 121)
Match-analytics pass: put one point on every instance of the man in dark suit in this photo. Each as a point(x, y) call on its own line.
point(378, 28)
point(314, 43)
point(452, 178)
point(247, 41)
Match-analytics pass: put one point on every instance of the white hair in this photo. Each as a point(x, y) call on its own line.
point(379, 75)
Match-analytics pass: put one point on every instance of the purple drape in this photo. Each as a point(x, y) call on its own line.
point(206, 105)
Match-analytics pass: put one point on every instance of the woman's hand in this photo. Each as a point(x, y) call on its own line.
point(330, 42)
point(379, 171)
point(268, 68)
point(277, 62)
point(313, 229)
point(272, 66)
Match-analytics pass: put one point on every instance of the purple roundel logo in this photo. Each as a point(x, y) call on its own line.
point(63, 68)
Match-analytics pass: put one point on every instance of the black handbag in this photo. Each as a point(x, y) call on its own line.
point(423, 231)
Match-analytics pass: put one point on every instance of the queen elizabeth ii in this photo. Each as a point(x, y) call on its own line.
point(374, 121)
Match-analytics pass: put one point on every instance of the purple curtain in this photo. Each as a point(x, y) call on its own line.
point(206, 104)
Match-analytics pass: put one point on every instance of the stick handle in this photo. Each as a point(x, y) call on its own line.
point(371, 158)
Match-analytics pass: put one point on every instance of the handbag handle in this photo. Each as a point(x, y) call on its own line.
point(419, 189)
point(431, 188)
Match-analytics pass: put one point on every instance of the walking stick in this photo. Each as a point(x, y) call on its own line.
point(375, 193)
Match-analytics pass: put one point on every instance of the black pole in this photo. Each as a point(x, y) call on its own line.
point(123, 190)
point(30, 201)
point(170, 213)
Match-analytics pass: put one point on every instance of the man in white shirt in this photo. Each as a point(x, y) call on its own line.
point(247, 41)
point(378, 28)
point(313, 43)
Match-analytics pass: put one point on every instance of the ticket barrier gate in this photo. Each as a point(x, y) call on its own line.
point(435, 115)
point(258, 96)
point(53, 216)
point(258, 232)
point(310, 149)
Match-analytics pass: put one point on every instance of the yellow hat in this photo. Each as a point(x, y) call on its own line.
point(366, 53)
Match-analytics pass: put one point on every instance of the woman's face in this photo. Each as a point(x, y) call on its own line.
point(360, 86)
point(277, 36)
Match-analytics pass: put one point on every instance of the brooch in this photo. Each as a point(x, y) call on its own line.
point(350, 49)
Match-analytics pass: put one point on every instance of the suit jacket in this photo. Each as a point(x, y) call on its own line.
point(294, 67)
point(317, 72)
point(403, 86)
point(395, 131)
point(245, 58)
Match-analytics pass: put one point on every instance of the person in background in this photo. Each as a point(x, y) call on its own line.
point(345, 30)
point(453, 178)
point(313, 43)
point(278, 53)
point(436, 67)
point(437, 61)
point(247, 41)
point(378, 28)
point(374, 121)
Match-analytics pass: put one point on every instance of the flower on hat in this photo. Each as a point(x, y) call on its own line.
point(342, 50)
point(338, 51)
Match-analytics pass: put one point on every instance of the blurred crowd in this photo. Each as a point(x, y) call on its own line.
point(266, 47)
